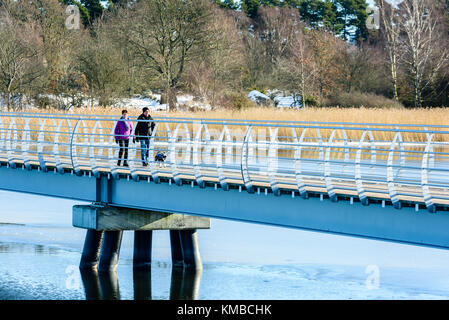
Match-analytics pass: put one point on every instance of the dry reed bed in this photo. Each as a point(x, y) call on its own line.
point(400, 116)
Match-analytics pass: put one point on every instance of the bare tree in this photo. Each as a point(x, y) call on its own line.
point(256, 61)
point(20, 65)
point(165, 34)
point(277, 29)
point(219, 70)
point(101, 62)
point(391, 31)
point(327, 52)
point(422, 57)
point(59, 52)
point(297, 72)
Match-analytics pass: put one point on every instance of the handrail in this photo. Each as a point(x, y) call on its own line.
point(359, 160)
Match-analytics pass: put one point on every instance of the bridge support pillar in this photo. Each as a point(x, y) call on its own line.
point(142, 250)
point(91, 250)
point(185, 250)
point(190, 250)
point(112, 221)
point(110, 251)
point(176, 249)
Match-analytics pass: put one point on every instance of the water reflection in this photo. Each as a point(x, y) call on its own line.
point(184, 284)
point(91, 283)
point(142, 285)
point(105, 286)
point(37, 249)
point(109, 286)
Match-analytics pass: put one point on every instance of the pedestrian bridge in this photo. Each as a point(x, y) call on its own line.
point(379, 181)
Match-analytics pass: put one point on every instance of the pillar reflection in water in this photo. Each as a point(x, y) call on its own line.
point(100, 286)
point(109, 285)
point(185, 284)
point(142, 284)
point(91, 284)
point(104, 285)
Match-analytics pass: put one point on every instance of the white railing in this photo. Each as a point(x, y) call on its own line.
point(393, 163)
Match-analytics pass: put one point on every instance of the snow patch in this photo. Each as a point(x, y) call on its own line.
point(140, 103)
point(276, 98)
point(258, 97)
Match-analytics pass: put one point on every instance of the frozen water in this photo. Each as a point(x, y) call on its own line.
point(40, 251)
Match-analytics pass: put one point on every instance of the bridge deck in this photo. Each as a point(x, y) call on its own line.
point(407, 180)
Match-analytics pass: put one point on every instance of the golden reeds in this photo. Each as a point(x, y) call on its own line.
point(400, 116)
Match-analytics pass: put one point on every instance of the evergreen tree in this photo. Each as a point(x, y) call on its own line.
point(94, 7)
point(344, 17)
point(272, 3)
point(250, 7)
point(228, 4)
point(352, 14)
point(320, 14)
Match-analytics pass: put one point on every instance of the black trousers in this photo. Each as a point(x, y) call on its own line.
point(123, 152)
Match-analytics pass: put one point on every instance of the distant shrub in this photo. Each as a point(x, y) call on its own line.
point(45, 102)
point(240, 101)
point(358, 99)
point(311, 101)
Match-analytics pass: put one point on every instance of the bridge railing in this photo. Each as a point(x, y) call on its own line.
point(394, 163)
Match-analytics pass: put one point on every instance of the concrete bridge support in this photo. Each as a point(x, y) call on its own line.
point(91, 250)
point(105, 226)
point(185, 249)
point(110, 251)
point(176, 249)
point(190, 250)
point(142, 249)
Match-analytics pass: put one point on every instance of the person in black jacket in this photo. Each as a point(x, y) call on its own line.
point(144, 130)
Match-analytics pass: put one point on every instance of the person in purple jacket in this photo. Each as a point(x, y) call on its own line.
point(122, 132)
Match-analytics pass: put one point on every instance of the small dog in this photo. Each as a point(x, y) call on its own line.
point(160, 158)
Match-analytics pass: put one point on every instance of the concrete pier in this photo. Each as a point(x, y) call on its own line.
point(142, 250)
point(176, 249)
point(110, 251)
point(190, 250)
point(109, 218)
point(105, 225)
point(91, 250)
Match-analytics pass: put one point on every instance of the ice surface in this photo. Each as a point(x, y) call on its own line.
point(241, 260)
